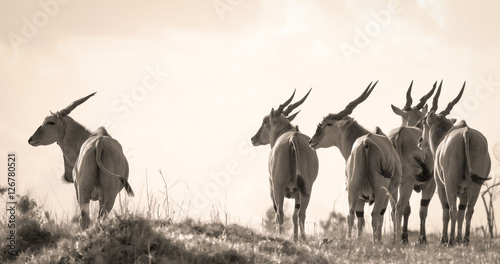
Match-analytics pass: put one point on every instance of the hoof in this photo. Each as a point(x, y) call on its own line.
point(404, 239)
point(422, 240)
point(451, 243)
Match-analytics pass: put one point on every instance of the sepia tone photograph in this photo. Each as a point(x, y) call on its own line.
point(233, 131)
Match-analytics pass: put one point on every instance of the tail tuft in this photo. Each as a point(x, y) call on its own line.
point(478, 179)
point(426, 174)
point(127, 186)
point(302, 185)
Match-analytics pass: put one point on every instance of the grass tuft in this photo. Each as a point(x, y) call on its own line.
point(132, 238)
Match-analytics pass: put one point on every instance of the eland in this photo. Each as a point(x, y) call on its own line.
point(417, 165)
point(293, 165)
point(373, 168)
point(461, 165)
point(93, 161)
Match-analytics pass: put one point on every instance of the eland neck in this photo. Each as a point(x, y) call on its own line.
point(71, 139)
point(348, 135)
point(437, 134)
point(279, 130)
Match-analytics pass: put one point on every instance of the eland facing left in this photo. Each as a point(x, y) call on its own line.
point(93, 161)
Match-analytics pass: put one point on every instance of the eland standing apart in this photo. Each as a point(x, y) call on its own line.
point(373, 168)
point(417, 165)
point(461, 165)
point(293, 165)
point(94, 162)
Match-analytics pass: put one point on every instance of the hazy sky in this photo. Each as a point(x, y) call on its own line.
point(183, 86)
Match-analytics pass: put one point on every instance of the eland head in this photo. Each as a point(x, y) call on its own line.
point(277, 118)
point(411, 115)
point(328, 131)
point(53, 126)
point(436, 125)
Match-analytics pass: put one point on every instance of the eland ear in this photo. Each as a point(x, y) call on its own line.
point(425, 109)
point(430, 117)
point(397, 110)
point(379, 131)
point(344, 122)
point(272, 112)
point(453, 120)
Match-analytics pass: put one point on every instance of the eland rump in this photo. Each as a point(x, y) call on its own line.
point(461, 165)
point(94, 162)
point(293, 165)
point(373, 168)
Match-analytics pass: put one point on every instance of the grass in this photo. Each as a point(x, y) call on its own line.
point(139, 238)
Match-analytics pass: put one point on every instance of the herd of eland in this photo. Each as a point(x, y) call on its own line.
point(427, 152)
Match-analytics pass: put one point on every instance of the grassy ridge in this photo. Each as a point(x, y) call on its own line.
point(137, 239)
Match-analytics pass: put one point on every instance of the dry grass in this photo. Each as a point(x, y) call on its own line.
point(134, 238)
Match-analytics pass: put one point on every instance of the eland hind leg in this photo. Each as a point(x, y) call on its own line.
point(84, 202)
point(109, 194)
point(304, 203)
point(403, 209)
point(279, 197)
point(446, 213)
point(379, 208)
point(110, 184)
point(451, 194)
point(473, 196)
point(296, 217)
point(356, 207)
point(428, 190)
point(86, 180)
point(462, 205)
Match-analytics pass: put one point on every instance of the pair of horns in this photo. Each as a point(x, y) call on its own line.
point(424, 98)
point(350, 107)
point(281, 109)
point(73, 105)
point(446, 111)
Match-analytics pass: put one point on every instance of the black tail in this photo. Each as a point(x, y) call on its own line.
point(426, 173)
point(297, 175)
point(478, 179)
point(469, 173)
point(122, 179)
point(302, 186)
point(127, 186)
